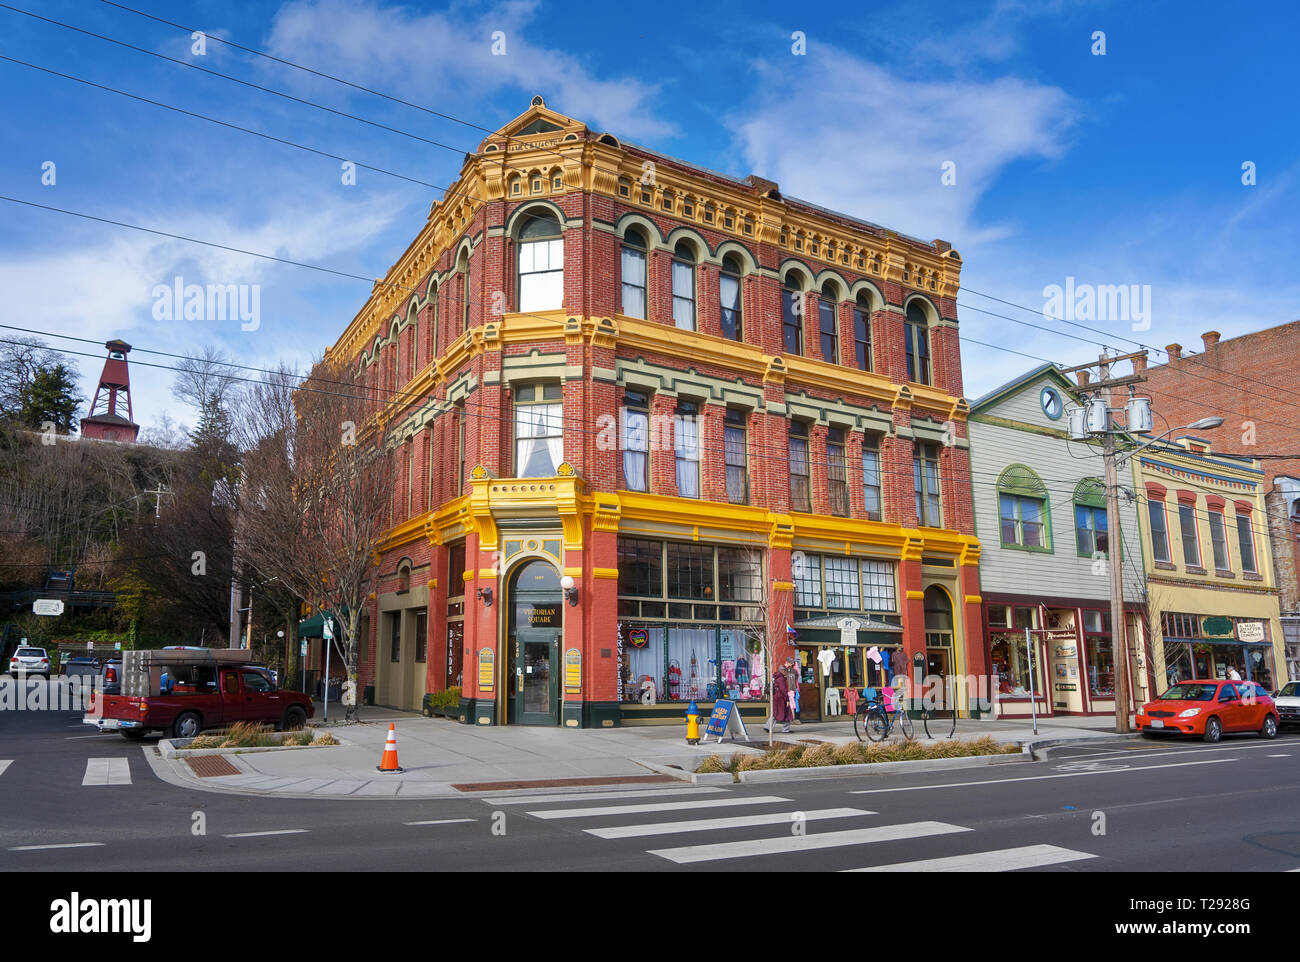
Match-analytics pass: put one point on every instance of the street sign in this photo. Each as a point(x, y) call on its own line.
point(303, 648)
point(47, 606)
point(327, 629)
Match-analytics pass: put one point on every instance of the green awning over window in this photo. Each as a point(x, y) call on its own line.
point(313, 627)
point(1090, 492)
point(1018, 479)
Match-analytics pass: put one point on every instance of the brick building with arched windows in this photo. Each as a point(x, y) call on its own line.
point(649, 416)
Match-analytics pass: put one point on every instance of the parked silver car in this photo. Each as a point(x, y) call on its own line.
point(1288, 704)
point(29, 661)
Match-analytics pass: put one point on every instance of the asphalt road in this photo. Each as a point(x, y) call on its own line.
point(90, 802)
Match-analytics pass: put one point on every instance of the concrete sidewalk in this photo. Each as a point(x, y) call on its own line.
point(443, 758)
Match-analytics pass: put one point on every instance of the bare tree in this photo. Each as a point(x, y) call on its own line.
point(758, 630)
point(317, 494)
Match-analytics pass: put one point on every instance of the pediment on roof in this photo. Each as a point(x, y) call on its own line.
point(538, 124)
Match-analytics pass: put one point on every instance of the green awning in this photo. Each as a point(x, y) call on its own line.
point(314, 627)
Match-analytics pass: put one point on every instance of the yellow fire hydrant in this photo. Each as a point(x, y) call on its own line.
point(693, 724)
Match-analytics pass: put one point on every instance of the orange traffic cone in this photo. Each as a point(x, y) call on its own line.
point(388, 764)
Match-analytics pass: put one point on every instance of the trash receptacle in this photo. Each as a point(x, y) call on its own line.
point(369, 695)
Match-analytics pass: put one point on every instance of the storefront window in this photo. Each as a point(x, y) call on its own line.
point(1101, 666)
point(1011, 664)
point(808, 580)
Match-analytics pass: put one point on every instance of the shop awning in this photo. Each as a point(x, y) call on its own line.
point(314, 627)
point(825, 630)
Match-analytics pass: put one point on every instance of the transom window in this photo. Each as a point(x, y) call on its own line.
point(539, 427)
point(831, 581)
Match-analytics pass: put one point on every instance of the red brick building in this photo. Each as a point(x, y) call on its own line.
point(648, 416)
point(1249, 382)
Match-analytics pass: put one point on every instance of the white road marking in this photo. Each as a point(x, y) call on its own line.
point(37, 848)
point(73, 738)
point(283, 831)
point(442, 821)
point(656, 807)
point(1035, 778)
point(107, 771)
point(709, 824)
point(5, 763)
point(783, 844)
point(1002, 860)
point(538, 799)
point(1279, 756)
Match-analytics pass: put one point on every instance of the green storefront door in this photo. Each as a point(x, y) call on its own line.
point(533, 670)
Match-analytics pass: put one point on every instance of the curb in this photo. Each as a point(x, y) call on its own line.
point(695, 778)
point(882, 768)
point(1043, 743)
point(171, 748)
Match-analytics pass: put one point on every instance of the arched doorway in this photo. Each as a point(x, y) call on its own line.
point(534, 625)
point(939, 650)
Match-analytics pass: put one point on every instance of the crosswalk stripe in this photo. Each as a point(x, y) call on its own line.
point(41, 848)
point(107, 771)
point(541, 799)
point(709, 824)
point(441, 821)
point(5, 763)
point(1002, 860)
point(802, 843)
point(656, 807)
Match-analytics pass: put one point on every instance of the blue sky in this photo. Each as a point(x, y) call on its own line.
point(1117, 169)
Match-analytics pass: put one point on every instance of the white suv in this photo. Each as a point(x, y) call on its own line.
point(1288, 704)
point(30, 661)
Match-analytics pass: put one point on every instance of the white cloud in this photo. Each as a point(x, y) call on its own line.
point(444, 60)
point(852, 136)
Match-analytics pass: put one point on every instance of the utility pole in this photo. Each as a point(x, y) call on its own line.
point(1095, 419)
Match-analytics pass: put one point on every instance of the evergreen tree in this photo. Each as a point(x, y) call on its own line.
point(51, 396)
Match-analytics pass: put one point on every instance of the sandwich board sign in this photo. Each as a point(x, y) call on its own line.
point(724, 721)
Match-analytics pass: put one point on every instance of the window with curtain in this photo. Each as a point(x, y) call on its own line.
point(633, 273)
point(792, 318)
point(1022, 509)
point(862, 333)
point(686, 440)
point(539, 427)
point(463, 269)
point(735, 452)
point(541, 264)
point(837, 472)
point(1246, 543)
point(871, 476)
point(916, 339)
point(925, 471)
point(729, 295)
point(1090, 534)
point(800, 474)
point(1159, 531)
point(636, 441)
point(684, 286)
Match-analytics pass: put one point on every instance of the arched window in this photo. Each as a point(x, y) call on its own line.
point(830, 337)
point(684, 286)
point(633, 270)
point(1022, 509)
point(792, 314)
point(916, 336)
point(541, 263)
point(862, 332)
point(462, 268)
point(1090, 534)
point(938, 634)
point(433, 321)
point(729, 294)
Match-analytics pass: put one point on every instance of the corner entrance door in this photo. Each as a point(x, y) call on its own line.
point(532, 682)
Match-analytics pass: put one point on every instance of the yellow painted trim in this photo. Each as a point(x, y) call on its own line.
point(783, 586)
point(916, 596)
point(488, 573)
point(974, 600)
point(610, 574)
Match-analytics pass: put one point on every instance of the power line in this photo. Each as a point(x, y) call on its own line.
point(223, 123)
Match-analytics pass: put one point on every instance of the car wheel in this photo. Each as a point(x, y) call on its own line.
point(294, 719)
point(1270, 727)
point(1213, 730)
point(187, 725)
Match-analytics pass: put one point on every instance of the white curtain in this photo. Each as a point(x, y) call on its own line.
point(636, 442)
point(688, 456)
point(633, 283)
point(539, 440)
point(541, 275)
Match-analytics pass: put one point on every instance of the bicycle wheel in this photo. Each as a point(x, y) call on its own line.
point(877, 725)
point(904, 724)
point(860, 722)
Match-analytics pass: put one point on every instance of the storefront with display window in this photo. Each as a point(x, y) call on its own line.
point(1073, 657)
point(1216, 647)
point(691, 628)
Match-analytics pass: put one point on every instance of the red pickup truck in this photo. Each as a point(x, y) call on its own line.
point(182, 693)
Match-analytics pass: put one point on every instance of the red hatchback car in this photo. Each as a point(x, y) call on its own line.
point(1208, 709)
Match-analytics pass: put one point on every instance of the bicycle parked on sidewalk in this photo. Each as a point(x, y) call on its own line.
point(878, 717)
